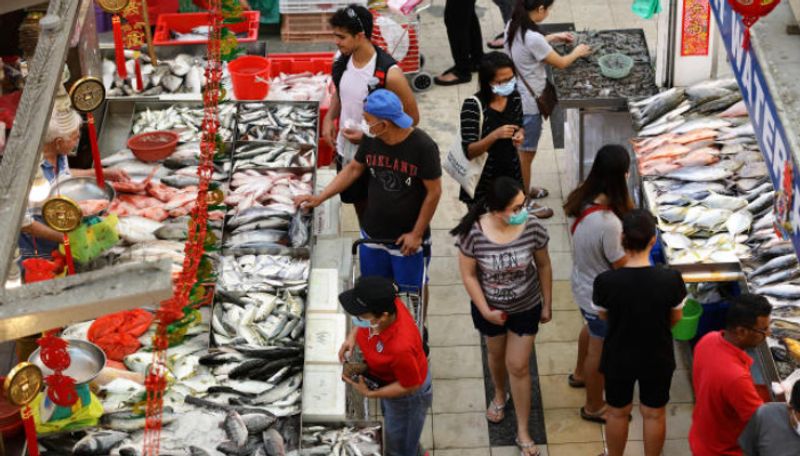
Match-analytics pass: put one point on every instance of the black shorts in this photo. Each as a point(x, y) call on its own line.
point(653, 391)
point(520, 323)
point(356, 192)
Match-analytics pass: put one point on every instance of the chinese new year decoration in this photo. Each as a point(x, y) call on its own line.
point(751, 11)
point(54, 354)
point(695, 28)
point(178, 310)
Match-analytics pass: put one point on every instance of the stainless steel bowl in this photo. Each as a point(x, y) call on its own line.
point(83, 188)
point(87, 360)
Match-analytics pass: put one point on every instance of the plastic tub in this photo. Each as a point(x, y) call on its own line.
point(686, 329)
point(153, 146)
point(250, 77)
point(615, 65)
point(185, 22)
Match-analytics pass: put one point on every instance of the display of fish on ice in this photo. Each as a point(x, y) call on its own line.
point(185, 120)
point(182, 74)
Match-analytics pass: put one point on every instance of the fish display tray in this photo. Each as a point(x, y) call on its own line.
point(269, 103)
point(304, 148)
point(581, 85)
point(306, 27)
point(185, 22)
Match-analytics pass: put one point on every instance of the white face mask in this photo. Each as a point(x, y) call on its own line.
point(365, 127)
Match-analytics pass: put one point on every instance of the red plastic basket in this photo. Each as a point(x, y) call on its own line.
point(314, 62)
point(154, 145)
point(185, 22)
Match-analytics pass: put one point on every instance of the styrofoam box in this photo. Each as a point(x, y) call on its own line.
point(323, 293)
point(324, 393)
point(325, 333)
point(324, 177)
point(326, 219)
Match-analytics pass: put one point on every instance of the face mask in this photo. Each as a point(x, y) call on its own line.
point(362, 323)
point(505, 89)
point(365, 127)
point(519, 218)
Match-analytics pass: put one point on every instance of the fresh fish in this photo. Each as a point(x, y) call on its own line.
point(742, 130)
point(780, 248)
point(134, 229)
point(173, 231)
point(700, 174)
point(128, 422)
point(98, 443)
point(739, 109)
point(780, 262)
point(281, 390)
point(180, 180)
point(699, 95)
point(276, 122)
point(747, 185)
point(273, 443)
point(649, 109)
point(720, 103)
point(784, 328)
point(761, 203)
point(785, 311)
point(785, 290)
point(659, 129)
point(123, 155)
point(753, 170)
point(235, 429)
point(257, 422)
point(255, 237)
point(676, 241)
point(717, 201)
point(776, 277)
point(758, 191)
point(702, 123)
point(739, 222)
point(257, 213)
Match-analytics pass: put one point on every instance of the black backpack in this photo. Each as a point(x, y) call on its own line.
point(383, 62)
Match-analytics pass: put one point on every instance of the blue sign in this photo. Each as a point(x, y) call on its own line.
point(763, 114)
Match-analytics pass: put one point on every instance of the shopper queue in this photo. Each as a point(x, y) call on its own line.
point(390, 170)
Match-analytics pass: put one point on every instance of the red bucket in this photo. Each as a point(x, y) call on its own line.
point(250, 77)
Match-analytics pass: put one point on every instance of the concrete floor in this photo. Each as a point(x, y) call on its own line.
point(458, 402)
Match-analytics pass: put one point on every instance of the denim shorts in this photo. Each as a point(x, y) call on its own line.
point(597, 327)
point(533, 131)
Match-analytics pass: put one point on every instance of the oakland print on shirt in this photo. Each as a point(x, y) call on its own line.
point(396, 187)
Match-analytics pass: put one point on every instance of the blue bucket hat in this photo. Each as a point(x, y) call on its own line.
point(384, 104)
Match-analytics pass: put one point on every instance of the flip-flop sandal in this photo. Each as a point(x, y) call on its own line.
point(499, 411)
point(523, 447)
point(452, 82)
point(540, 193)
point(593, 417)
point(540, 212)
point(575, 383)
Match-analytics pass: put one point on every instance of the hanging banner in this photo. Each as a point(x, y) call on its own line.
point(766, 121)
point(133, 30)
point(695, 30)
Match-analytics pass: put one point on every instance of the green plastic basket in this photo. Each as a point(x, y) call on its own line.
point(686, 329)
point(270, 11)
point(615, 65)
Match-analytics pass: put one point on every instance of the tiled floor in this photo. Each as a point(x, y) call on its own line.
point(456, 425)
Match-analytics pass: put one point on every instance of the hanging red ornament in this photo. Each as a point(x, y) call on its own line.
point(61, 390)
point(751, 11)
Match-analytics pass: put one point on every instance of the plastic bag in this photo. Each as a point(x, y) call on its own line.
point(403, 7)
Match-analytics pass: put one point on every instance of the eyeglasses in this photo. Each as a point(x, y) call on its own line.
point(763, 332)
point(351, 13)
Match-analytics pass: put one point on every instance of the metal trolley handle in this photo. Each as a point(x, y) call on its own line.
point(359, 242)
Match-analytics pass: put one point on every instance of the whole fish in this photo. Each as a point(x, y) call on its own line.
point(739, 222)
point(122, 155)
point(747, 185)
point(235, 429)
point(659, 129)
point(720, 103)
point(649, 109)
point(255, 237)
point(761, 203)
point(785, 290)
point(134, 229)
point(702, 123)
point(753, 169)
point(700, 174)
point(700, 95)
point(742, 130)
point(780, 262)
point(280, 391)
point(780, 276)
point(273, 443)
point(717, 201)
point(98, 443)
point(784, 328)
point(758, 191)
point(129, 422)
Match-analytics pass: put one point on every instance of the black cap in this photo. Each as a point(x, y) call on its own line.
point(372, 294)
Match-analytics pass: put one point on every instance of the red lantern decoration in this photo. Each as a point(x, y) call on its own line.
point(752, 11)
point(61, 390)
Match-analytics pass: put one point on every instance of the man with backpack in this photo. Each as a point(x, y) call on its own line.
point(359, 69)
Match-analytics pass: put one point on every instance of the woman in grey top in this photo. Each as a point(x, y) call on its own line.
point(506, 269)
point(774, 430)
point(531, 51)
point(596, 207)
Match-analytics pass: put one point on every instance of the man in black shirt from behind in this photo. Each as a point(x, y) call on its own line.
point(641, 303)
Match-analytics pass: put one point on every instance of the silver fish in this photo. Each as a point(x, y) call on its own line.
point(700, 173)
point(98, 443)
point(706, 122)
point(235, 428)
point(761, 203)
point(647, 110)
point(786, 290)
point(280, 391)
point(739, 222)
point(780, 262)
point(780, 276)
point(716, 201)
point(129, 422)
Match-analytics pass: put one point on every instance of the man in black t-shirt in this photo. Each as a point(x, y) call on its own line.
point(641, 303)
point(404, 175)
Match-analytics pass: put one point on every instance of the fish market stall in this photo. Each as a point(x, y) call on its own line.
point(595, 104)
point(706, 180)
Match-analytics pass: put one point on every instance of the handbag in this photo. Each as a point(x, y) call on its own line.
point(465, 171)
point(547, 100)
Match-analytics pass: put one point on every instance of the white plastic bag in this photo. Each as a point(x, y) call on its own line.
point(465, 171)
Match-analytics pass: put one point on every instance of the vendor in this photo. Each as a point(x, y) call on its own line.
point(391, 344)
point(63, 132)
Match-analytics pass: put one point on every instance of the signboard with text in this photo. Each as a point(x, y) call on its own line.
point(769, 130)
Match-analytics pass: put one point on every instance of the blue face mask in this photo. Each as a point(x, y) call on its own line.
point(360, 323)
point(505, 89)
point(519, 218)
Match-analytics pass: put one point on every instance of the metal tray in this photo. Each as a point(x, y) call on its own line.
point(311, 104)
point(303, 148)
point(87, 360)
point(83, 188)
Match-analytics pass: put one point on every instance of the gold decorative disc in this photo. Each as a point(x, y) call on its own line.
point(62, 213)
point(216, 197)
point(23, 383)
point(112, 6)
point(87, 93)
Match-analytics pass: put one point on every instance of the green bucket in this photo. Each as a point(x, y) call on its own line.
point(687, 326)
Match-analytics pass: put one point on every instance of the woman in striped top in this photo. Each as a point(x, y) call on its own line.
point(506, 270)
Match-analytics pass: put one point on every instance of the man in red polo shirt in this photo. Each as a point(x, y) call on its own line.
point(725, 395)
point(397, 367)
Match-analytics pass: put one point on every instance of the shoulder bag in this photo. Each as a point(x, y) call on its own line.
point(465, 171)
point(547, 100)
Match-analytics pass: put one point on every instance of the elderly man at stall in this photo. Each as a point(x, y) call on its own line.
point(61, 139)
